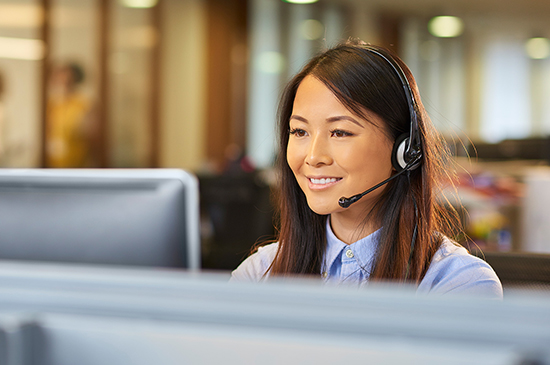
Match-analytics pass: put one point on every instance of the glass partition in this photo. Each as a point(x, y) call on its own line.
point(21, 53)
point(130, 55)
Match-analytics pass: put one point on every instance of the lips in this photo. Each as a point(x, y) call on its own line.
point(317, 183)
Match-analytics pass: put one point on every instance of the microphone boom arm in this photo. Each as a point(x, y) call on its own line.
point(346, 202)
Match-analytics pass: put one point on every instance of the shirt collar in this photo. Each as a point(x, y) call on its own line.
point(363, 249)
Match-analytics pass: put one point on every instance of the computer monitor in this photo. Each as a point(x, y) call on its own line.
point(136, 217)
point(63, 314)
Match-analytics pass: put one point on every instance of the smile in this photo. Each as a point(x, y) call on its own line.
point(323, 181)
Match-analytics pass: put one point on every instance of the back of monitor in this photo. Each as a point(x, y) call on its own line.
point(135, 217)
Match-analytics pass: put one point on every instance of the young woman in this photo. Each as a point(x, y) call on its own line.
point(351, 122)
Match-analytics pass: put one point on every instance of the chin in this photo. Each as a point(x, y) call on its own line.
point(323, 209)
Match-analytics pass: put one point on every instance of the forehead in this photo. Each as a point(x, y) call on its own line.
point(316, 100)
point(312, 85)
point(314, 97)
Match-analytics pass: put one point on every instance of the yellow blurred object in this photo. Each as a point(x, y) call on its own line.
point(484, 225)
point(68, 138)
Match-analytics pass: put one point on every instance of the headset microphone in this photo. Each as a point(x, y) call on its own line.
point(346, 202)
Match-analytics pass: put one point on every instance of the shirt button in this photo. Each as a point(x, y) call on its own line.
point(324, 274)
point(349, 254)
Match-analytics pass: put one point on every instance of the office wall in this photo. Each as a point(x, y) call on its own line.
point(183, 105)
point(20, 69)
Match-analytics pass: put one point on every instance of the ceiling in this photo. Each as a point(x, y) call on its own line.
point(512, 8)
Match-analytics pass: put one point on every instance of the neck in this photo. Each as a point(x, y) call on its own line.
point(351, 228)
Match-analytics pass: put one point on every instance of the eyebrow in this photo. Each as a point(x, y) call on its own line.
point(344, 117)
point(301, 119)
point(330, 120)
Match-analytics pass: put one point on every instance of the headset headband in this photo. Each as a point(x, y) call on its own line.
point(413, 148)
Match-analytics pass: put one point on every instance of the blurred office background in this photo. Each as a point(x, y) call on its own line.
point(194, 84)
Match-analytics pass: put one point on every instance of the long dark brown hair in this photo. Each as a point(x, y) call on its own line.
point(361, 80)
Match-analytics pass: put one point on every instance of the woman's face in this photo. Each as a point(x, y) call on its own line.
point(333, 152)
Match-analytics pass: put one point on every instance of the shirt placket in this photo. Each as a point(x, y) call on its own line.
point(350, 268)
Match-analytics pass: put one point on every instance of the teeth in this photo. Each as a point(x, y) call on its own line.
point(323, 181)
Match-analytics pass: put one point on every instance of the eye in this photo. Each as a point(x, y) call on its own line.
point(340, 133)
point(298, 132)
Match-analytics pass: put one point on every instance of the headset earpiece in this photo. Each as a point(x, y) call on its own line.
point(399, 158)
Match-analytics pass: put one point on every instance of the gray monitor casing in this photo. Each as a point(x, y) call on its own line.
point(130, 217)
point(63, 315)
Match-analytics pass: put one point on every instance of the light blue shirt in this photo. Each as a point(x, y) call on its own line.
point(452, 270)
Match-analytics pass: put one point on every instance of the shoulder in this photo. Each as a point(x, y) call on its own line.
point(256, 265)
point(454, 270)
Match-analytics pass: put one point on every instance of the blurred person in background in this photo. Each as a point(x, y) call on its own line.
point(70, 128)
point(236, 161)
point(351, 122)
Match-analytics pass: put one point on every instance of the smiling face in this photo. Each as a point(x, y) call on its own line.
point(333, 153)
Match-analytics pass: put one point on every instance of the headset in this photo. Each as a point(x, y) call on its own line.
point(407, 149)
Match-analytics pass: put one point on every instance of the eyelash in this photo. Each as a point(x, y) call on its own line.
point(300, 132)
point(295, 131)
point(343, 133)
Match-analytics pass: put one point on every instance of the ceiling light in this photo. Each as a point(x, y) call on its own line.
point(270, 62)
point(538, 48)
point(312, 29)
point(140, 4)
point(22, 49)
point(446, 26)
point(300, 1)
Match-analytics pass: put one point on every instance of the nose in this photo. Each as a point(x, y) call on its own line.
point(319, 152)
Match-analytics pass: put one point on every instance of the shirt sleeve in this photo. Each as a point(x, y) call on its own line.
point(454, 270)
point(254, 268)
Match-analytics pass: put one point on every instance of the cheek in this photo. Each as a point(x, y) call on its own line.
point(370, 160)
point(293, 157)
